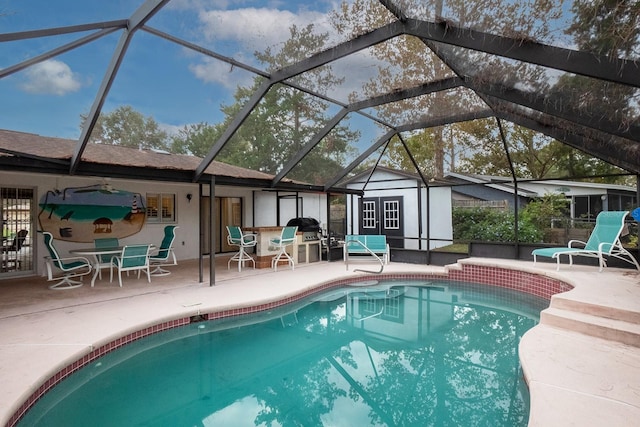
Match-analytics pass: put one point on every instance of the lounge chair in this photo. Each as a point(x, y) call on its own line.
point(165, 255)
point(235, 237)
point(287, 238)
point(604, 241)
point(70, 267)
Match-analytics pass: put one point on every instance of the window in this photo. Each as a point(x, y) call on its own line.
point(386, 307)
point(16, 217)
point(368, 214)
point(161, 207)
point(392, 215)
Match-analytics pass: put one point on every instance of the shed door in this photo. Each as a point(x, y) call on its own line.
point(383, 215)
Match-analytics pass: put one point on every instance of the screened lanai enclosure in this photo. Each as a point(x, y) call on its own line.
point(318, 93)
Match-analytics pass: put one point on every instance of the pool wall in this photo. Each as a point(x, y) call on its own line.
point(523, 281)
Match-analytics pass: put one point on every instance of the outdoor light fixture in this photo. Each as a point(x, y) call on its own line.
point(189, 196)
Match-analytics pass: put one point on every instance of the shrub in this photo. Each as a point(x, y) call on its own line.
point(491, 225)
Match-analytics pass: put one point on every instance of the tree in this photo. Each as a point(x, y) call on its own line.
point(126, 127)
point(542, 210)
point(195, 139)
point(571, 162)
point(533, 155)
point(604, 27)
point(286, 118)
point(422, 147)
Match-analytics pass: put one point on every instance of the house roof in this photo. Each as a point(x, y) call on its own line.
point(527, 188)
point(141, 164)
point(363, 176)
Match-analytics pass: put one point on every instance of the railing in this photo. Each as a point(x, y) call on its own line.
point(369, 251)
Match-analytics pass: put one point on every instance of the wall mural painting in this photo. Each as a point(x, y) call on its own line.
point(82, 214)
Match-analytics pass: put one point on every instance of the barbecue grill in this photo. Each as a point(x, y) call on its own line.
point(310, 227)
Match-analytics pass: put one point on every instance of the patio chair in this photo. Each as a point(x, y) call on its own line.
point(70, 267)
point(287, 238)
point(165, 255)
point(132, 258)
point(104, 261)
point(235, 237)
point(604, 241)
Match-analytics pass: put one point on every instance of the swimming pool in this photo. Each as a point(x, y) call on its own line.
point(396, 353)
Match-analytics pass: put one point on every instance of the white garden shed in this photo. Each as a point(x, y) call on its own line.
point(395, 203)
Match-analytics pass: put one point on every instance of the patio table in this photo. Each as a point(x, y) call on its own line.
point(96, 254)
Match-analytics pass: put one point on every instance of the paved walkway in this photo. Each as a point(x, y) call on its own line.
point(582, 362)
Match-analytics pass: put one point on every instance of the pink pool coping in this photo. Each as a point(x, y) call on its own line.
point(532, 281)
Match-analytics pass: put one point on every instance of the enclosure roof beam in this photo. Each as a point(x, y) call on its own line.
point(310, 145)
point(204, 51)
point(423, 89)
point(601, 149)
point(55, 52)
point(559, 107)
point(339, 51)
point(447, 120)
point(137, 20)
point(601, 67)
point(399, 95)
point(232, 128)
point(24, 35)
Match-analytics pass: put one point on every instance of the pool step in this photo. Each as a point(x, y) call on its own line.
point(597, 326)
point(629, 314)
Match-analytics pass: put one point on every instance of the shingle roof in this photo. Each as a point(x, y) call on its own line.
point(14, 143)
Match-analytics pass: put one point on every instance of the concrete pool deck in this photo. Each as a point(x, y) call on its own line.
point(582, 362)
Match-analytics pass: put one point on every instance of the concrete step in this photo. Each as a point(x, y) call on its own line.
point(601, 309)
point(602, 327)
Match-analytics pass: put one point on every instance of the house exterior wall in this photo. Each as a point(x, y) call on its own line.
point(312, 205)
point(186, 213)
point(259, 209)
point(587, 198)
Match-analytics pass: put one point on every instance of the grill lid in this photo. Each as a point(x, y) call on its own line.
point(305, 224)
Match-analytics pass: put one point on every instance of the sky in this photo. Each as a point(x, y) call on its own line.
point(176, 88)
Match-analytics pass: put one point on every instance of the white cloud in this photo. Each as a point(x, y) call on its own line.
point(51, 77)
point(213, 71)
point(255, 28)
point(248, 30)
point(241, 32)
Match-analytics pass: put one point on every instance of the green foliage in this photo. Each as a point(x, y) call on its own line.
point(195, 139)
point(491, 225)
point(542, 210)
point(422, 148)
point(129, 128)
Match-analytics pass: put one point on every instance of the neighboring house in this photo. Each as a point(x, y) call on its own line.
point(586, 199)
point(395, 203)
point(242, 197)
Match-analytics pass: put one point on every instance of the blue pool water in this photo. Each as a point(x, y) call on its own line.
point(398, 353)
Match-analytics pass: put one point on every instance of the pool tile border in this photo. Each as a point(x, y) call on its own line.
point(89, 358)
point(523, 281)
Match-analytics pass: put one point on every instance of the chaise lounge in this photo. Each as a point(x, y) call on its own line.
point(604, 241)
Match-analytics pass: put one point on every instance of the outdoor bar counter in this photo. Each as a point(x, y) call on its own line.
point(301, 251)
point(263, 254)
